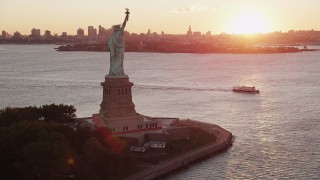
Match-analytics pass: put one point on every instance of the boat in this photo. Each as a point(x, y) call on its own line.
point(245, 89)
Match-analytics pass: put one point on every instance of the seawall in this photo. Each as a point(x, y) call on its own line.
point(224, 140)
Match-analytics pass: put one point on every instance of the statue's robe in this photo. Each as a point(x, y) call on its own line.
point(117, 46)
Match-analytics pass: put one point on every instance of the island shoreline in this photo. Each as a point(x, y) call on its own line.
point(195, 48)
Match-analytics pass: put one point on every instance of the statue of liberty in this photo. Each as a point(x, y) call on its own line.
point(117, 46)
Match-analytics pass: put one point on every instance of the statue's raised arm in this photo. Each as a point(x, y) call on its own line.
point(125, 20)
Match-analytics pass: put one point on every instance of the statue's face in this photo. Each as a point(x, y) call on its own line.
point(116, 28)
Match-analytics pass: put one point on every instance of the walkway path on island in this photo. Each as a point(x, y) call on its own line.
point(224, 140)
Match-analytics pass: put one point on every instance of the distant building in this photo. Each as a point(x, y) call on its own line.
point(102, 31)
point(5, 35)
point(149, 32)
point(17, 35)
point(80, 35)
point(35, 33)
point(92, 31)
point(92, 34)
point(64, 34)
point(80, 32)
point(189, 32)
point(47, 33)
point(102, 34)
point(197, 35)
point(109, 32)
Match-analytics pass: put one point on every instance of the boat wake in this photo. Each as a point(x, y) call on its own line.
point(158, 87)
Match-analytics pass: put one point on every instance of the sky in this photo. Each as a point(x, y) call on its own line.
point(170, 16)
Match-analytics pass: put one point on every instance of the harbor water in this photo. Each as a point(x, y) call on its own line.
point(276, 131)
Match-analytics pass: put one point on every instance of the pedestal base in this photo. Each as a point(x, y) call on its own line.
point(117, 98)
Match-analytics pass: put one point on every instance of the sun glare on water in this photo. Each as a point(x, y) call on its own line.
point(249, 22)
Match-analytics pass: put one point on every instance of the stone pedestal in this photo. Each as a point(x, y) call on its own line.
point(117, 98)
point(117, 111)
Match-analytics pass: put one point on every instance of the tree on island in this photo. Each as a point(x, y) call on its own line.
point(45, 148)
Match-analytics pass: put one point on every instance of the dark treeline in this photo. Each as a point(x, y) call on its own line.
point(36, 143)
point(178, 47)
point(48, 113)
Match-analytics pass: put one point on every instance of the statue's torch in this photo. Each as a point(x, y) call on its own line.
point(127, 13)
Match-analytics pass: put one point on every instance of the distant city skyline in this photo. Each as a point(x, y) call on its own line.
point(172, 17)
point(91, 30)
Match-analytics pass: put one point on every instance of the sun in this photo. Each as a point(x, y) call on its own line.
point(249, 22)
